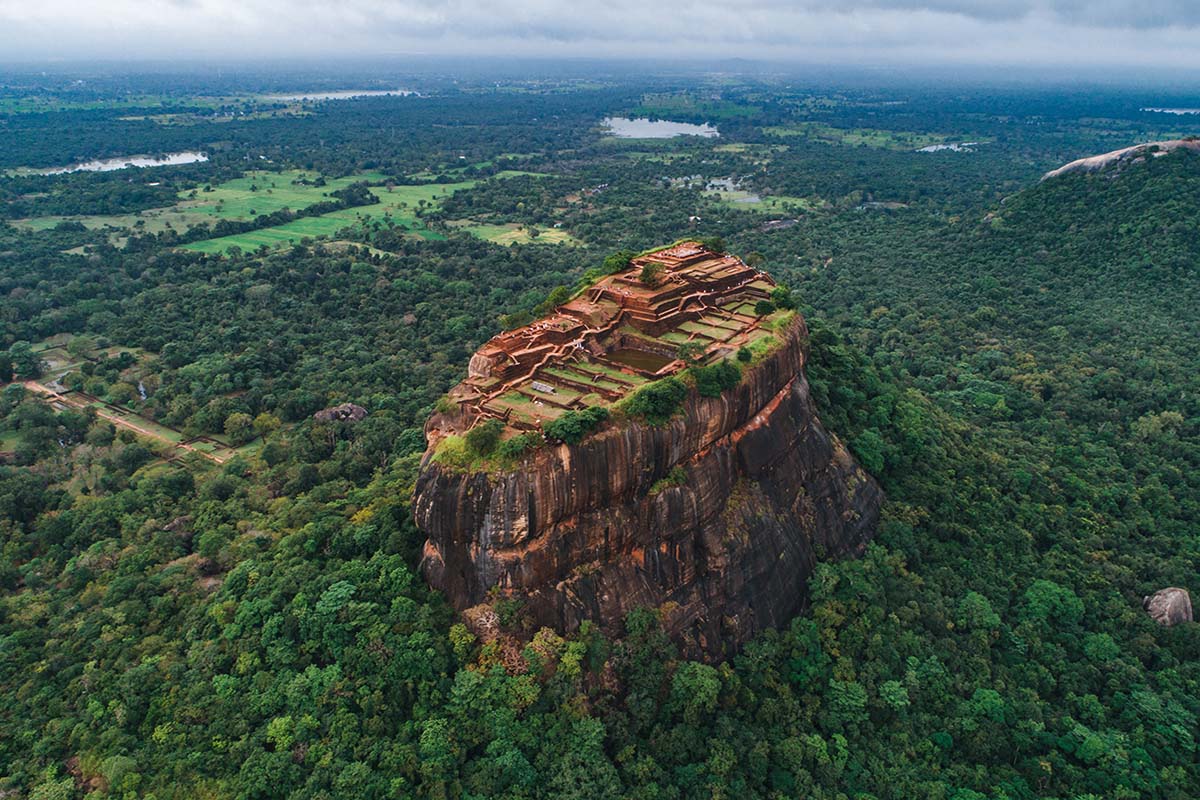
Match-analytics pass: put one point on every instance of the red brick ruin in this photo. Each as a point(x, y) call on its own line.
point(617, 335)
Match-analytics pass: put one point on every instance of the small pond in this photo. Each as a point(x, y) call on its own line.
point(639, 359)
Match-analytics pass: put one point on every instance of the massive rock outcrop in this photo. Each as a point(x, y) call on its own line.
point(1125, 156)
point(591, 531)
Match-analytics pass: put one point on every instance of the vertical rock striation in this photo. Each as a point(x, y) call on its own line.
point(583, 533)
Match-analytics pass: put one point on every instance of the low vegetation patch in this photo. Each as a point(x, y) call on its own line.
point(658, 401)
point(716, 378)
point(856, 137)
point(573, 426)
point(511, 450)
point(676, 477)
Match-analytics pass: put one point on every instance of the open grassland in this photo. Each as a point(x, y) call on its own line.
point(748, 201)
point(212, 108)
point(858, 137)
point(459, 169)
point(153, 220)
point(219, 116)
point(398, 204)
point(45, 103)
point(257, 193)
point(240, 199)
point(260, 192)
point(513, 233)
point(9, 440)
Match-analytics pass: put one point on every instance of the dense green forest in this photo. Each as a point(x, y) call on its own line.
point(1017, 362)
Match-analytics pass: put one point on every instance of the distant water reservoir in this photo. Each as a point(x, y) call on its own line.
point(1172, 110)
point(643, 128)
point(124, 162)
point(956, 147)
point(347, 94)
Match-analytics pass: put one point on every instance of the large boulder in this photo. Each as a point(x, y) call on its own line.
point(1169, 606)
point(346, 412)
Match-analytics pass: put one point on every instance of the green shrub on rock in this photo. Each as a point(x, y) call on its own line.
point(572, 426)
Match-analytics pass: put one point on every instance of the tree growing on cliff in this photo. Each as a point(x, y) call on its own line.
point(573, 426)
point(651, 273)
point(714, 379)
point(781, 296)
point(513, 448)
point(617, 261)
point(558, 295)
point(483, 438)
point(657, 401)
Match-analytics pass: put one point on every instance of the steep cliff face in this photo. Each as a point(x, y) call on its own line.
point(582, 532)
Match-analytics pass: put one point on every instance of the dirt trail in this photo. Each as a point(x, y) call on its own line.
point(120, 422)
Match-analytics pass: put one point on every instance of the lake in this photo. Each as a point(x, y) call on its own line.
point(1172, 110)
point(957, 147)
point(348, 94)
point(124, 162)
point(643, 128)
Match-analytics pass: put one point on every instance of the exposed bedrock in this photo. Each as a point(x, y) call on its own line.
point(578, 533)
point(1169, 606)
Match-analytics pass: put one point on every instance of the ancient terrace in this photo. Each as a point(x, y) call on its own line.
point(616, 336)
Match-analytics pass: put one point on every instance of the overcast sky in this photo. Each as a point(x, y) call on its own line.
point(1020, 32)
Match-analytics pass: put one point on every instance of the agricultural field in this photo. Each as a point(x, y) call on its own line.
point(256, 193)
point(397, 203)
point(859, 137)
point(512, 233)
point(743, 200)
point(153, 220)
point(247, 113)
point(262, 192)
point(46, 103)
point(663, 156)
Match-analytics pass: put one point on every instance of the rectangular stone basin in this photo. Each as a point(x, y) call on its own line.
point(639, 359)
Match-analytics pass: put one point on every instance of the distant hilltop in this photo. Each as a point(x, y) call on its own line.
point(1127, 155)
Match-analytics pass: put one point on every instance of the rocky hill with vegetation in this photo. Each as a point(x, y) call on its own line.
point(715, 513)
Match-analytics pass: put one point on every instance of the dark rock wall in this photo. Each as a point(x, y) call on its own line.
point(578, 534)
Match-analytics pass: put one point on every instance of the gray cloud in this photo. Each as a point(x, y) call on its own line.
point(1079, 32)
point(1102, 13)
